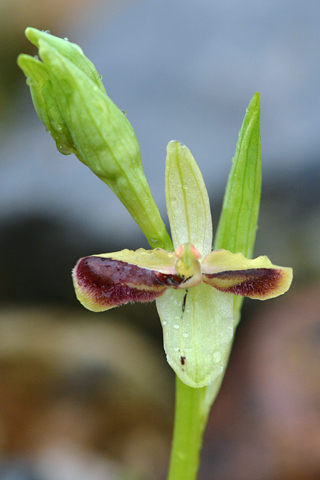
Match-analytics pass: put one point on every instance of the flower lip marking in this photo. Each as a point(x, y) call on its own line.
point(168, 280)
point(184, 303)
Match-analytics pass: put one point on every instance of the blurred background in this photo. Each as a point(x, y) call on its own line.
point(90, 395)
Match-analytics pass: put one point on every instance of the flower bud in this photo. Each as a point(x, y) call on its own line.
point(72, 103)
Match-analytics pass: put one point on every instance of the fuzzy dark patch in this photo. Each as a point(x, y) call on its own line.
point(257, 282)
point(113, 282)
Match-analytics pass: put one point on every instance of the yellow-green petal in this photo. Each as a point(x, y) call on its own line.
point(157, 259)
point(257, 278)
point(109, 280)
point(187, 200)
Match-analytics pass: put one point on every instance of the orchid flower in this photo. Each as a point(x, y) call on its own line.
point(192, 286)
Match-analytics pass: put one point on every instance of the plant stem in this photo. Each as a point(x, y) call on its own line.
point(192, 409)
point(191, 414)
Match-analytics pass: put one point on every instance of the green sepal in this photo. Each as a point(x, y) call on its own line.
point(71, 51)
point(45, 103)
point(239, 217)
point(187, 200)
point(197, 328)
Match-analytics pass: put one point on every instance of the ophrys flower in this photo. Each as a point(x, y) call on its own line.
point(191, 285)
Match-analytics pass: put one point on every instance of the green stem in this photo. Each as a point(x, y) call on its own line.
point(190, 420)
point(191, 415)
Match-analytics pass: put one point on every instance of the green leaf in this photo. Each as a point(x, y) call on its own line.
point(239, 217)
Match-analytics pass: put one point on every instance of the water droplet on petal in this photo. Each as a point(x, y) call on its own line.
point(220, 370)
point(176, 326)
point(217, 357)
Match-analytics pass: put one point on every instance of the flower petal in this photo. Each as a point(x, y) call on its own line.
point(187, 200)
point(233, 273)
point(198, 328)
point(105, 281)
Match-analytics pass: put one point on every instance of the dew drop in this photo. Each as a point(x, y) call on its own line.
point(164, 323)
point(220, 370)
point(217, 357)
point(63, 149)
point(230, 332)
point(66, 39)
point(176, 326)
point(185, 335)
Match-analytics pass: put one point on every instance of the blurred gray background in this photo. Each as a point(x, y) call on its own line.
point(181, 70)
